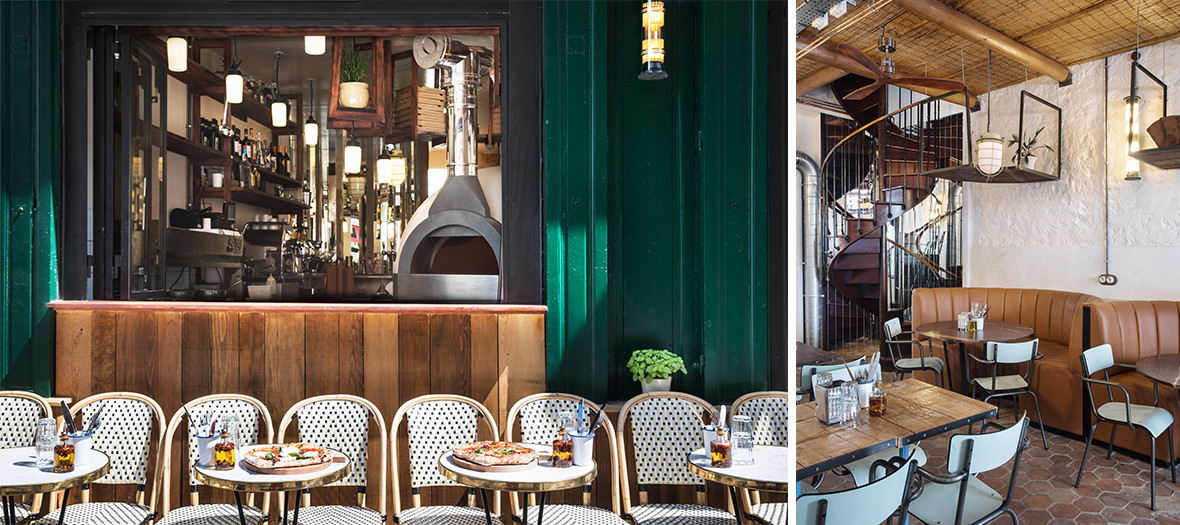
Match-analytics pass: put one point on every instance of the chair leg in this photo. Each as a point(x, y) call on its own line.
point(1010, 512)
point(1086, 452)
point(1040, 420)
point(1151, 472)
point(1110, 446)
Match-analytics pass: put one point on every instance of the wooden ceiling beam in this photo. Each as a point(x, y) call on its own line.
point(817, 80)
point(836, 60)
point(957, 22)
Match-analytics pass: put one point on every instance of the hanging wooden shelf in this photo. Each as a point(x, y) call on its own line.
point(1007, 175)
point(1163, 158)
point(375, 120)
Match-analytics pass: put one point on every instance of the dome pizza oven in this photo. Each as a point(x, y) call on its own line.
point(453, 254)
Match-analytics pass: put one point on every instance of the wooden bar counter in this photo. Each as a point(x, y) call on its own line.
point(281, 353)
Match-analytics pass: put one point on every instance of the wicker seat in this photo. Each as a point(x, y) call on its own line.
point(768, 411)
point(254, 427)
point(538, 416)
point(19, 412)
point(436, 423)
point(664, 430)
point(124, 433)
point(341, 422)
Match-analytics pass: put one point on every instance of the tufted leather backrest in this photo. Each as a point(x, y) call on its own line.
point(1136, 329)
point(1053, 315)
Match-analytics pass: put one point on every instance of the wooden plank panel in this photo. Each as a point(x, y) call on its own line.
point(196, 356)
point(74, 333)
point(450, 351)
point(522, 356)
point(103, 335)
point(136, 351)
point(322, 357)
point(413, 345)
point(352, 356)
point(285, 372)
point(223, 341)
point(485, 365)
point(380, 359)
point(252, 360)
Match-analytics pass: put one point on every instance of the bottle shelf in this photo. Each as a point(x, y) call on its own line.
point(199, 154)
point(272, 177)
point(254, 197)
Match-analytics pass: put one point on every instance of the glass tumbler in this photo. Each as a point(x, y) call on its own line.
point(567, 421)
point(231, 425)
point(45, 441)
point(850, 407)
point(743, 440)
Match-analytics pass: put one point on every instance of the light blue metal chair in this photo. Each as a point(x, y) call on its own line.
point(1011, 385)
point(903, 365)
point(807, 373)
point(1153, 419)
point(960, 496)
point(871, 504)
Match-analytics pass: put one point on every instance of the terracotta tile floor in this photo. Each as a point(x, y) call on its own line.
point(1112, 491)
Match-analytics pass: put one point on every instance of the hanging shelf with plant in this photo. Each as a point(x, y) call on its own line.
point(355, 102)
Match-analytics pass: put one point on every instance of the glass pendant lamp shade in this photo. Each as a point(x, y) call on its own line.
point(1132, 103)
point(990, 153)
point(234, 85)
point(384, 168)
point(315, 45)
point(177, 54)
point(278, 113)
point(352, 156)
point(399, 168)
point(311, 132)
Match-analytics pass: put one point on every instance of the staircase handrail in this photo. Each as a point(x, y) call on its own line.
point(933, 267)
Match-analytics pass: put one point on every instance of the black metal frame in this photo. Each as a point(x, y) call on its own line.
point(1020, 129)
point(778, 150)
point(522, 37)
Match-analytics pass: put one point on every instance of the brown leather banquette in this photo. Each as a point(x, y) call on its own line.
point(1056, 320)
point(1134, 330)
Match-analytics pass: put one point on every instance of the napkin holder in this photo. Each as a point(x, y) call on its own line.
point(825, 412)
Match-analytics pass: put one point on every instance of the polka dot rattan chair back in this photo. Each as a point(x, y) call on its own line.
point(665, 427)
point(124, 433)
point(19, 413)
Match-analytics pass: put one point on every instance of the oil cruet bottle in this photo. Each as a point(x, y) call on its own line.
point(63, 455)
point(720, 450)
point(563, 450)
point(877, 400)
point(223, 453)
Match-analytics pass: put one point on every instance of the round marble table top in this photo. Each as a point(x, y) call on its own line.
point(1163, 368)
point(21, 475)
point(769, 472)
point(542, 478)
point(242, 480)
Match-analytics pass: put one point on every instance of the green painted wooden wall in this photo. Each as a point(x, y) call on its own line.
point(29, 160)
point(655, 197)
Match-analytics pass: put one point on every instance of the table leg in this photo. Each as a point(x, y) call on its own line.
point(525, 512)
point(8, 518)
point(298, 502)
point(963, 367)
point(241, 513)
point(540, 509)
point(737, 504)
point(65, 499)
point(286, 501)
point(487, 512)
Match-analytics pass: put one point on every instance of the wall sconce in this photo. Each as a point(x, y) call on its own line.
point(315, 45)
point(652, 53)
point(177, 54)
point(311, 130)
point(1132, 103)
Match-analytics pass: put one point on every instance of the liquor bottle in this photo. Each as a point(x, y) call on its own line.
point(237, 144)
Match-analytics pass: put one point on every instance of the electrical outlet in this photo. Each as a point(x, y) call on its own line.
point(1108, 279)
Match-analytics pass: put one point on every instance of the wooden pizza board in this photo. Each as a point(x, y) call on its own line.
point(494, 468)
point(290, 471)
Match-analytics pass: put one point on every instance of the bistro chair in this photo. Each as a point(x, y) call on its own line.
point(874, 503)
point(1152, 418)
point(341, 422)
point(436, 423)
point(807, 373)
point(960, 496)
point(665, 428)
point(19, 412)
point(768, 412)
point(1011, 385)
point(538, 415)
point(903, 365)
point(253, 422)
point(124, 433)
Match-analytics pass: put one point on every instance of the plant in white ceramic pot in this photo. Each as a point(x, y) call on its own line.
point(1026, 149)
point(354, 91)
point(653, 369)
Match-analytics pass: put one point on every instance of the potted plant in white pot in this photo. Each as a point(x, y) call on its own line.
point(653, 369)
point(354, 91)
point(1026, 149)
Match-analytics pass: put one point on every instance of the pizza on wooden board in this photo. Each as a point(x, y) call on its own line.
point(288, 455)
point(492, 453)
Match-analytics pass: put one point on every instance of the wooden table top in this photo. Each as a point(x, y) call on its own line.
point(997, 331)
point(806, 354)
point(1163, 368)
point(916, 410)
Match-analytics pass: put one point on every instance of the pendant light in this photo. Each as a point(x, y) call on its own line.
point(352, 154)
point(311, 130)
point(391, 166)
point(990, 146)
point(399, 166)
point(652, 53)
point(278, 108)
point(234, 84)
point(177, 54)
point(315, 45)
